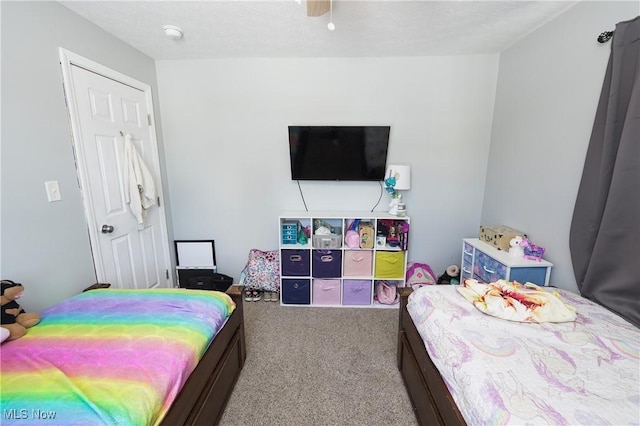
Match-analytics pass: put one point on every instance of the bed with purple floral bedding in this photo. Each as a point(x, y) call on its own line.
point(488, 370)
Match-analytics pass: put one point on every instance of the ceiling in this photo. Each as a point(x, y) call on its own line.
point(275, 28)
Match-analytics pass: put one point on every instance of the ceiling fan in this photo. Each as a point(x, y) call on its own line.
point(318, 7)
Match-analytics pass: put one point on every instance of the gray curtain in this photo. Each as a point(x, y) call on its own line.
point(605, 230)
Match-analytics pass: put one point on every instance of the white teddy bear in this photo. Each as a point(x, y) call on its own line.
point(516, 246)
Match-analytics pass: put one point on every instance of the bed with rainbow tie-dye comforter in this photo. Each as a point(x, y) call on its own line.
point(114, 357)
point(501, 372)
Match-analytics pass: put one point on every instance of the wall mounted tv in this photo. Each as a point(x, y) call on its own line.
point(355, 153)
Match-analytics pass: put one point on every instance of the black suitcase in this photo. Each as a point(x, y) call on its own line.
point(203, 279)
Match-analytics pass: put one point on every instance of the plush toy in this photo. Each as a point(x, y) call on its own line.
point(14, 318)
point(4, 334)
point(532, 251)
point(516, 248)
point(450, 276)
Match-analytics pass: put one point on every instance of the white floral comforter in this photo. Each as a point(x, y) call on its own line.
point(501, 372)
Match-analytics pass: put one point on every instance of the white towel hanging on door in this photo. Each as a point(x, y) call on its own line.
point(139, 188)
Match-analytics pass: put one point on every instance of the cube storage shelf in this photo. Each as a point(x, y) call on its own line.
point(334, 259)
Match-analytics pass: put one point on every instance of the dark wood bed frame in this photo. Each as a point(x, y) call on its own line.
point(430, 398)
point(205, 394)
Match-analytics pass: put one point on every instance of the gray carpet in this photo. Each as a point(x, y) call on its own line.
point(319, 366)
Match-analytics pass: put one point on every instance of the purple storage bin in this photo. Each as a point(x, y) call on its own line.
point(326, 292)
point(295, 263)
point(356, 292)
point(326, 263)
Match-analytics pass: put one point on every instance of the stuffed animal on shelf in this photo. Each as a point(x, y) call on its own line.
point(14, 319)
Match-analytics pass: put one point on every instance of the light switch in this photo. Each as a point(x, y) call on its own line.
point(53, 190)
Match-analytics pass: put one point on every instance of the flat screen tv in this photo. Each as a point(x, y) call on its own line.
point(356, 153)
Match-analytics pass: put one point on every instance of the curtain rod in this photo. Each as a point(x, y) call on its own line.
point(605, 36)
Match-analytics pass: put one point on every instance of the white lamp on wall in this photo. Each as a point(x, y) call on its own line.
point(397, 178)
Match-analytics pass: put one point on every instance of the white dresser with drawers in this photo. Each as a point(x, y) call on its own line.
point(486, 263)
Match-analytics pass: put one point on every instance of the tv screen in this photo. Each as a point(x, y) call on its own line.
point(338, 152)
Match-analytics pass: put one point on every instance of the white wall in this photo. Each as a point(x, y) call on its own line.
point(45, 245)
point(225, 128)
point(548, 89)
point(226, 153)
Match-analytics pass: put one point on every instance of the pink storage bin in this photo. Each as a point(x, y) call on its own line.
point(326, 292)
point(358, 263)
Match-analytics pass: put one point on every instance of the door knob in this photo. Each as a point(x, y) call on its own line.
point(107, 229)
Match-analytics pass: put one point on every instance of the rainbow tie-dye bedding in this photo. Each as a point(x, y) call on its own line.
point(114, 357)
